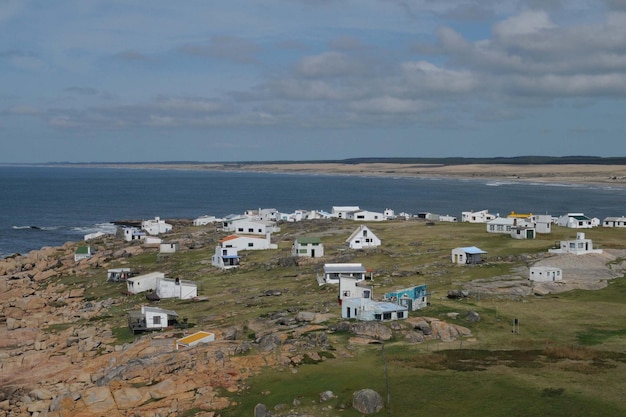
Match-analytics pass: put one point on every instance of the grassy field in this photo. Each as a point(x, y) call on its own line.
point(568, 358)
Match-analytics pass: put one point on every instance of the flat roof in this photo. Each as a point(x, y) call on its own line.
point(344, 268)
point(194, 337)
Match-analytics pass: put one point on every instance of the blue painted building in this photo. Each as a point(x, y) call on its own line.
point(413, 298)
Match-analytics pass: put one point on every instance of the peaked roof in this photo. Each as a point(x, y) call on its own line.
point(359, 230)
point(307, 240)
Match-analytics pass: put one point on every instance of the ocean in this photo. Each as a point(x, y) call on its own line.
point(48, 206)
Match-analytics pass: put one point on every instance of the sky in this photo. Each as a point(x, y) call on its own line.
point(304, 80)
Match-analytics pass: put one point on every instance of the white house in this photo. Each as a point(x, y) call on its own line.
point(132, 234)
point(545, 273)
point(363, 238)
point(332, 273)
point(225, 257)
point(176, 288)
point(575, 221)
point(251, 227)
point(311, 247)
point(144, 282)
point(150, 318)
point(543, 223)
point(367, 216)
point(482, 216)
point(614, 222)
point(204, 220)
point(389, 214)
point(467, 255)
point(352, 287)
point(523, 232)
point(501, 225)
point(368, 310)
point(169, 247)
point(578, 246)
point(155, 226)
point(344, 212)
point(447, 218)
point(247, 242)
point(83, 252)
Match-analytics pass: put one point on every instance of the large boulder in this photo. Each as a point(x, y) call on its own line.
point(372, 329)
point(367, 401)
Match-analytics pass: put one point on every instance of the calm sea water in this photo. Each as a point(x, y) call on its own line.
point(43, 206)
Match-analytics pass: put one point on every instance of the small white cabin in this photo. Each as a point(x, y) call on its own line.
point(204, 220)
point(150, 318)
point(367, 216)
point(176, 288)
point(363, 238)
point(467, 255)
point(578, 246)
point(614, 222)
point(310, 247)
point(545, 274)
point(155, 226)
point(225, 257)
point(145, 282)
point(575, 221)
point(169, 247)
point(132, 233)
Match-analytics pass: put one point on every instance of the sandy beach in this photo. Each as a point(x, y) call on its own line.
point(561, 173)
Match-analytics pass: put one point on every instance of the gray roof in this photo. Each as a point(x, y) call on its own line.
point(344, 268)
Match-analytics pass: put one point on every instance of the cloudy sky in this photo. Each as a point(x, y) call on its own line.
point(259, 80)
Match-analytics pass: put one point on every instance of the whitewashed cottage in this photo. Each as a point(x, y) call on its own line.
point(363, 238)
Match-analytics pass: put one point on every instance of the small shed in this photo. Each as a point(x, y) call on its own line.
point(545, 274)
point(467, 255)
point(151, 318)
point(83, 252)
point(145, 282)
point(176, 288)
point(168, 247)
point(194, 339)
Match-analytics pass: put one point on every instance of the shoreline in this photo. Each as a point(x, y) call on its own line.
point(588, 174)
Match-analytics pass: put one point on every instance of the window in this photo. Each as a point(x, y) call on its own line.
point(250, 230)
point(400, 314)
point(250, 244)
point(386, 316)
point(346, 293)
point(156, 320)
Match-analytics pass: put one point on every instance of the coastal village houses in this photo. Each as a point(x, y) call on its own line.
point(133, 234)
point(363, 238)
point(310, 247)
point(204, 220)
point(366, 309)
point(225, 257)
point(250, 226)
